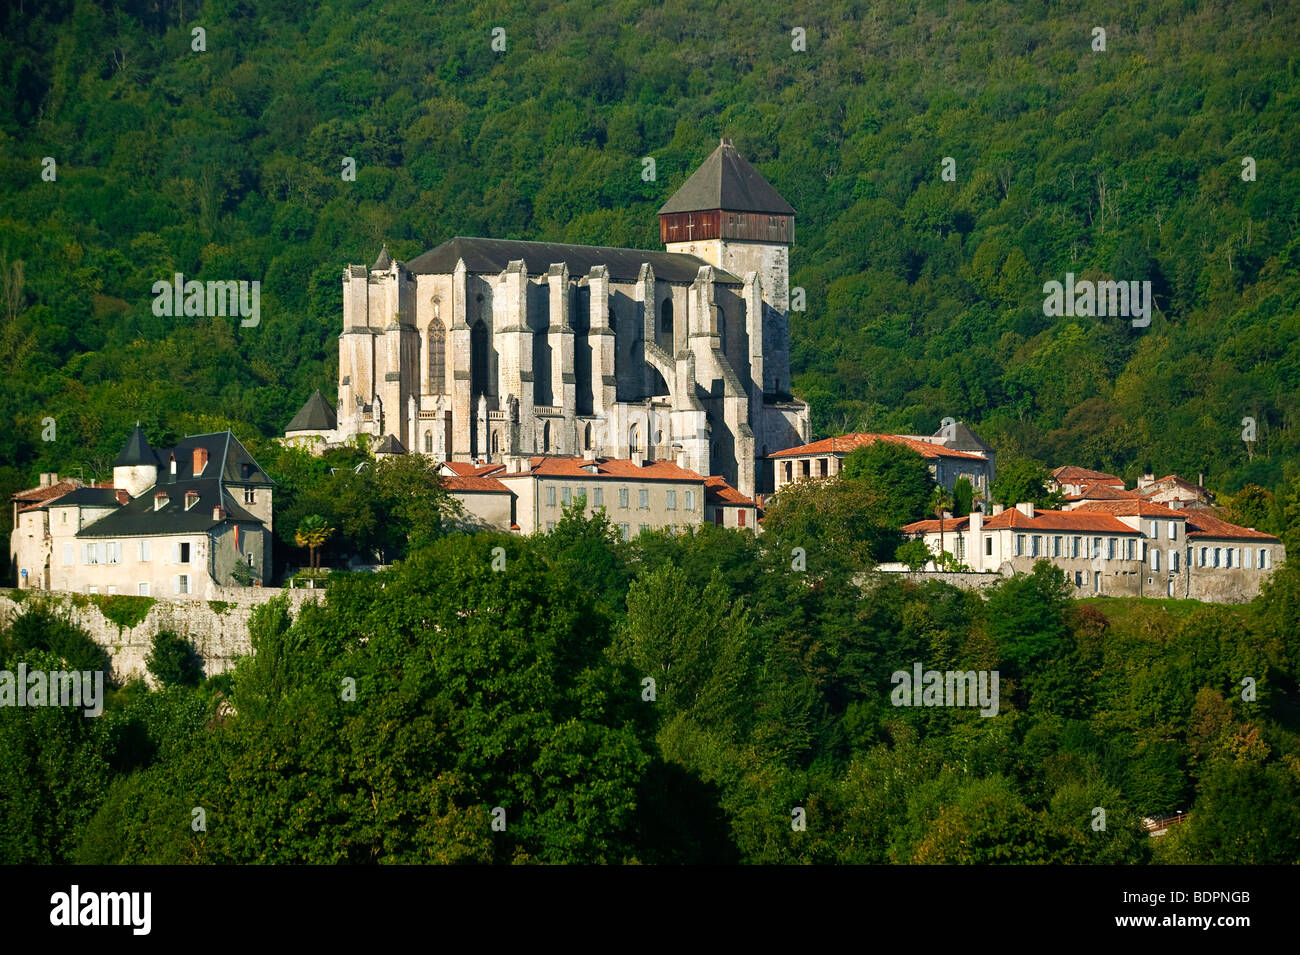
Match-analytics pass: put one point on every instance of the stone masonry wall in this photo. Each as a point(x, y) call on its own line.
point(219, 635)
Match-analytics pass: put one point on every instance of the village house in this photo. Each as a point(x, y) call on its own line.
point(177, 522)
point(825, 458)
point(1072, 481)
point(527, 495)
point(1125, 548)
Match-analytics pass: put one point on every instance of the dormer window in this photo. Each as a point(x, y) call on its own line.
point(160, 500)
point(191, 498)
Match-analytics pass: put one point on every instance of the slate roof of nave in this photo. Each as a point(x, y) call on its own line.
point(491, 256)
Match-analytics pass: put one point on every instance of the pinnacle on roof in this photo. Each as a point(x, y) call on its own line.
point(315, 415)
point(137, 451)
point(726, 181)
point(384, 262)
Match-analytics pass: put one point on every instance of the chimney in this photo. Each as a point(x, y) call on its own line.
point(637, 457)
point(997, 509)
point(1200, 479)
point(45, 479)
point(218, 513)
point(200, 460)
point(947, 515)
point(589, 454)
point(1026, 508)
point(122, 496)
point(1147, 481)
point(173, 467)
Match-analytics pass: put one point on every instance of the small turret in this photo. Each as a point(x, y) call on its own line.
point(136, 468)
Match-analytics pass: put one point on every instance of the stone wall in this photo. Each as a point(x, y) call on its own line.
point(219, 634)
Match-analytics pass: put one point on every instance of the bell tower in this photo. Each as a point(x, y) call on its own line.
point(727, 214)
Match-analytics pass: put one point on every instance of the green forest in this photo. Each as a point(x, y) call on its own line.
point(923, 296)
point(674, 699)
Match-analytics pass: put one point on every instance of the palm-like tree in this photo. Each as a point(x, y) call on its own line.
point(313, 531)
point(940, 501)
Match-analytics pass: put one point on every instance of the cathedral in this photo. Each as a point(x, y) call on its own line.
point(484, 350)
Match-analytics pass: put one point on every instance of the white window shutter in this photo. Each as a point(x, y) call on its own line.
point(176, 553)
point(176, 584)
point(85, 553)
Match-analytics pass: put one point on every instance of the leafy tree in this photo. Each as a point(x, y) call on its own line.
point(1023, 481)
point(313, 531)
point(963, 497)
point(896, 474)
point(837, 523)
point(1028, 615)
point(914, 554)
point(173, 661)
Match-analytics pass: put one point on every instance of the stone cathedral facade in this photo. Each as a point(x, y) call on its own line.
point(491, 349)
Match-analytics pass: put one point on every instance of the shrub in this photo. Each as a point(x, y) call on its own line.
point(173, 660)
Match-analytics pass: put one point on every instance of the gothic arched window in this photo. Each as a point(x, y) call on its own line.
point(428, 442)
point(478, 352)
point(546, 438)
point(586, 438)
point(666, 318)
point(633, 439)
point(437, 359)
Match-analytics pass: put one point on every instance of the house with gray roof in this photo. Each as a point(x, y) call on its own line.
point(175, 522)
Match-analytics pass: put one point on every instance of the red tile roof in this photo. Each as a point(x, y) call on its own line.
point(1202, 525)
point(847, 442)
point(1103, 492)
point(1132, 508)
point(469, 469)
point(717, 490)
point(1069, 474)
point(1041, 521)
point(1172, 482)
point(1058, 521)
point(45, 493)
point(612, 468)
point(475, 485)
point(931, 526)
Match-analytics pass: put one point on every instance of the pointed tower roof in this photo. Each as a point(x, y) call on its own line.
point(390, 445)
point(137, 451)
point(384, 262)
point(726, 181)
point(315, 415)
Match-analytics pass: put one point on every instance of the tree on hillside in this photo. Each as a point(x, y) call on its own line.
point(963, 497)
point(1252, 506)
point(940, 502)
point(896, 474)
point(313, 531)
point(836, 523)
point(173, 661)
point(1028, 615)
point(1022, 480)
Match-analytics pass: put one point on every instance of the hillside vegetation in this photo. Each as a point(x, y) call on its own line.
point(924, 297)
